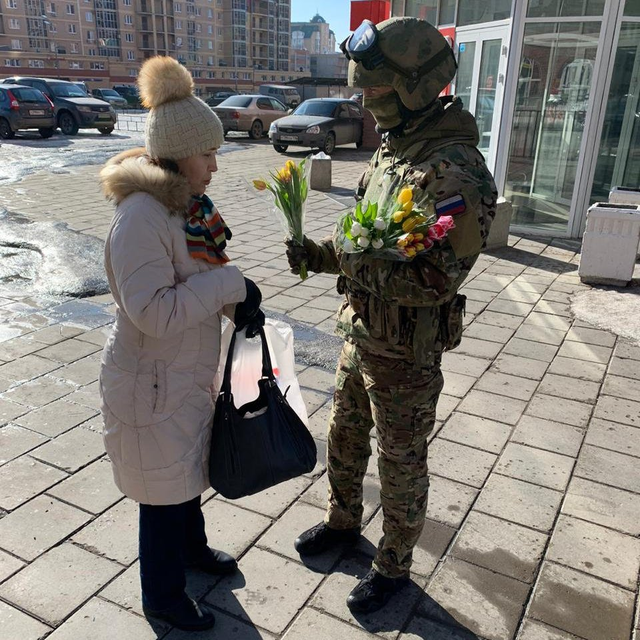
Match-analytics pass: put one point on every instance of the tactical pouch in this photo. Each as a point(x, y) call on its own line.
point(452, 314)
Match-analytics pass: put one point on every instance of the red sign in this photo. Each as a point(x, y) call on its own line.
point(374, 10)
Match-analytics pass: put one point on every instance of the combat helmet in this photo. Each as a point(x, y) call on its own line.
point(408, 54)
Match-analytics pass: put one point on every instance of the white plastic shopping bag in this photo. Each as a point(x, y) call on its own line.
point(247, 365)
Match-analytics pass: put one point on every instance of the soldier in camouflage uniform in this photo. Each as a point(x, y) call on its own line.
point(398, 317)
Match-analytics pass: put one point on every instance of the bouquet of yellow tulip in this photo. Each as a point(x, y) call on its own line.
point(288, 190)
point(396, 226)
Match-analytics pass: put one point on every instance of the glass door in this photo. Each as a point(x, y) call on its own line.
point(482, 61)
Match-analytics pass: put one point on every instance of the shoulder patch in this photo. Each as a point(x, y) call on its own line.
point(451, 206)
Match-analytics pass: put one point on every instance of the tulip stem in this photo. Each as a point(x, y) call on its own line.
point(303, 270)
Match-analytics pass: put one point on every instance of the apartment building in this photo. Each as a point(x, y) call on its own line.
point(224, 43)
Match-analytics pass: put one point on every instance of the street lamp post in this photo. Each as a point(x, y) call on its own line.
point(46, 21)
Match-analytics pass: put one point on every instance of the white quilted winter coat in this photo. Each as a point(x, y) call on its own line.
point(159, 362)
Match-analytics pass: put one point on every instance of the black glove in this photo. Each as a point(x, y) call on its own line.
point(248, 312)
point(307, 252)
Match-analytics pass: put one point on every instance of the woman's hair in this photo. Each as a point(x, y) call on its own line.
point(163, 163)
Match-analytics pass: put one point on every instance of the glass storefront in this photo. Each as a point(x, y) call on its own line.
point(475, 12)
point(552, 95)
point(619, 153)
point(564, 8)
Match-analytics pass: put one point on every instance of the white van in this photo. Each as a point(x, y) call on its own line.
point(287, 95)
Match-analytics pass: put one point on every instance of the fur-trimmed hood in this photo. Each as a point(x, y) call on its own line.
point(130, 172)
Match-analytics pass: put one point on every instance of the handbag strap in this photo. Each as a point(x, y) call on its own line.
point(267, 367)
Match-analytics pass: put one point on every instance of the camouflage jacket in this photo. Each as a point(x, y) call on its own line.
point(404, 309)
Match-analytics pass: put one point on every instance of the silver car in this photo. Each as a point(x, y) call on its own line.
point(320, 122)
point(252, 113)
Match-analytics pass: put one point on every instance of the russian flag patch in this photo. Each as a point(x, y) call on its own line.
point(452, 206)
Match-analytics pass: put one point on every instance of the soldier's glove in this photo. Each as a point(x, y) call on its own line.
point(248, 313)
point(308, 252)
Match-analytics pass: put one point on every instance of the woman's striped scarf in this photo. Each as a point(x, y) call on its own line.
point(207, 233)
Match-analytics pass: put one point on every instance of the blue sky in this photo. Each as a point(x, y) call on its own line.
point(335, 12)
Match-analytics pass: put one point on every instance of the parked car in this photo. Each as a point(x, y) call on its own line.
point(82, 85)
point(320, 122)
point(111, 96)
point(23, 107)
point(287, 95)
point(72, 107)
point(130, 93)
point(252, 113)
point(218, 97)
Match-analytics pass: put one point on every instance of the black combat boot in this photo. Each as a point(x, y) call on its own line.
point(374, 591)
point(322, 537)
point(186, 615)
point(214, 562)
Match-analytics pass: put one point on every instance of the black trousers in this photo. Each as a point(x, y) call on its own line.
point(170, 536)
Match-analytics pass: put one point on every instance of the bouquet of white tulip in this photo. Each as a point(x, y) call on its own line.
point(395, 227)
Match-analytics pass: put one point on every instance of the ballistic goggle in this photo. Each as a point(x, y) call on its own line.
point(363, 46)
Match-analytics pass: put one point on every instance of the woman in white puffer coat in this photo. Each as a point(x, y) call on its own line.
point(171, 279)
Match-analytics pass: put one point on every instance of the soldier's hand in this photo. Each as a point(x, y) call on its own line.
point(298, 254)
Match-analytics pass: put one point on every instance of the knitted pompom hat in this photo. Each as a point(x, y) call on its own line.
point(179, 125)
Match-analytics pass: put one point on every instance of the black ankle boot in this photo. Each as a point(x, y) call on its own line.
point(373, 592)
point(186, 615)
point(214, 562)
point(322, 537)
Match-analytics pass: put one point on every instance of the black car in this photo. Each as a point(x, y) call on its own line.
point(73, 108)
point(23, 107)
point(320, 122)
point(129, 93)
point(220, 96)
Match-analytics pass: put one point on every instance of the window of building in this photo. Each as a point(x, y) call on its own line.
point(210, 29)
point(211, 74)
point(131, 55)
point(632, 8)
point(74, 47)
point(126, 3)
point(128, 19)
point(133, 73)
point(53, 28)
point(447, 12)
point(91, 36)
point(219, 32)
point(36, 64)
point(88, 16)
point(178, 24)
point(72, 28)
point(177, 7)
point(11, 62)
point(14, 23)
point(197, 73)
point(198, 28)
point(210, 14)
point(52, 8)
point(128, 37)
point(12, 4)
point(92, 52)
point(558, 8)
point(209, 44)
point(97, 66)
point(71, 10)
point(473, 12)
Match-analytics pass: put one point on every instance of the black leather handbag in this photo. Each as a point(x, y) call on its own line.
point(250, 453)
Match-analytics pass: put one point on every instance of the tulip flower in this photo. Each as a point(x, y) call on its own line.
point(377, 243)
point(406, 195)
point(398, 216)
point(356, 229)
point(363, 242)
point(379, 224)
point(290, 165)
point(413, 222)
point(348, 246)
point(408, 206)
point(260, 185)
point(364, 232)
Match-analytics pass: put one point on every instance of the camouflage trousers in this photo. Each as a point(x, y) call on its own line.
point(399, 399)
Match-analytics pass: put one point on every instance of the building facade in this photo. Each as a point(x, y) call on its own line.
point(555, 88)
point(237, 44)
point(315, 36)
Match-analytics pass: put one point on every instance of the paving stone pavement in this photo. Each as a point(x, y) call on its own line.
point(532, 528)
